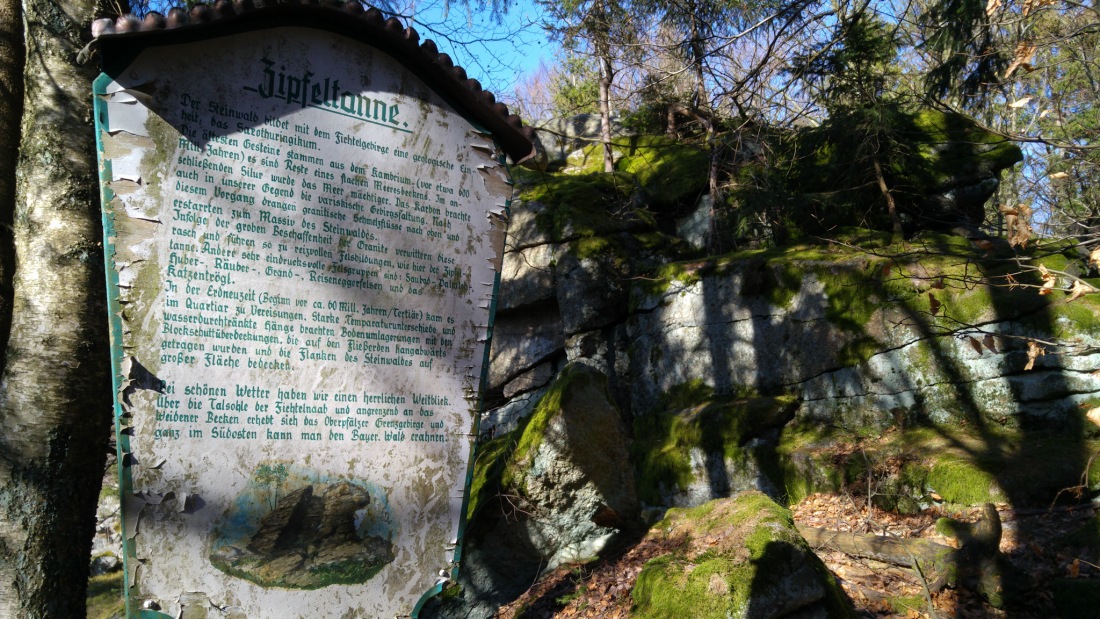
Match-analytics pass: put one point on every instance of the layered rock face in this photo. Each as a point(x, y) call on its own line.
point(777, 325)
point(631, 374)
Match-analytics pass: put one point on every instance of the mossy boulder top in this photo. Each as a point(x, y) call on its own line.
point(739, 558)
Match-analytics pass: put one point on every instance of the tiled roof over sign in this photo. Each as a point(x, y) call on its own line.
point(121, 37)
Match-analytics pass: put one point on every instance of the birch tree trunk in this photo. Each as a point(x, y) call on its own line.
point(55, 396)
point(606, 74)
point(12, 56)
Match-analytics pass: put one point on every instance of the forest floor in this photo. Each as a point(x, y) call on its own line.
point(1032, 544)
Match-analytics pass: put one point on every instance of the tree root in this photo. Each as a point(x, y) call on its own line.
point(975, 562)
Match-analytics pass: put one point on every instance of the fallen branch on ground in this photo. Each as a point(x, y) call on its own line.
point(976, 558)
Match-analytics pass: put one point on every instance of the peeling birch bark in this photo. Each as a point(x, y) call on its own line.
point(54, 397)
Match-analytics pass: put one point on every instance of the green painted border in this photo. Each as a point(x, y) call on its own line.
point(122, 439)
point(479, 409)
point(114, 315)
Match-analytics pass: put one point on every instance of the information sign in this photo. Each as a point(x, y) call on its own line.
point(303, 239)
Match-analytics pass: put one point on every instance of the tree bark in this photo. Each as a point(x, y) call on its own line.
point(55, 395)
point(891, 206)
point(12, 57)
point(605, 114)
point(601, 14)
point(695, 34)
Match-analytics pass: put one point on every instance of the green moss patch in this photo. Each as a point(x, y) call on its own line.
point(656, 172)
point(956, 465)
point(489, 464)
point(725, 556)
point(583, 205)
point(968, 144)
point(669, 173)
point(666, 173)
point(104, 597)
point(963, 481)
point(663, 440)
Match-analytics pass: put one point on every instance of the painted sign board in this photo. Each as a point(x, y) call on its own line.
point(303, 238)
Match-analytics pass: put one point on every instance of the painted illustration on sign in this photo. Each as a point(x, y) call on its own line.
point(303, 253)
point(287, 529)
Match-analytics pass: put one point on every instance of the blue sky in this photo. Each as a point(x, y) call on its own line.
point(496, 52)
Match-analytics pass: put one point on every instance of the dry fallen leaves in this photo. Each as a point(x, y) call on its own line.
point(1074, 569)
point(1034, 351)
point(1093, 415)
point(990, 342)
point(975, 344)
point(1079, 290)
point(1022, 58)
point(1018, 223)
point(1048, 280)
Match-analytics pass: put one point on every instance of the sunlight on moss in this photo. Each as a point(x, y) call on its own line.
point(748, 538)
point(663, 440)
point(534, 427)
point(105, 596)
point(960, 465)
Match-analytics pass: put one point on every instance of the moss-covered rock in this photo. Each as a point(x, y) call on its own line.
point(735, 558)
point(571, 466)
point(710, 449)
point(912, 469)
point(653, 177)
point(579, 205)
point(558, 489)
point(868, 331)
point(671, 175)
point(566, 470)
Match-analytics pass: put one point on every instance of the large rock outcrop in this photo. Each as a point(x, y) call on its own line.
point(754, 370)
point(555, 491)
point(923, 331)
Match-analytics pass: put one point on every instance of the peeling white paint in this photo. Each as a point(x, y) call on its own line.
point(189, 251)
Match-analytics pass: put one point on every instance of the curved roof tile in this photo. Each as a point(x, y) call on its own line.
point(128, 33)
